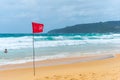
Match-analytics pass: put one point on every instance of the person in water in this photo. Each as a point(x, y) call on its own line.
point(6, 51)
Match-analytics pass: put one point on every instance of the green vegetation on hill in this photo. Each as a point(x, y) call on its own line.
point(101, 27)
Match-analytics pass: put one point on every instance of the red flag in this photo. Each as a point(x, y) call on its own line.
point(37, 27)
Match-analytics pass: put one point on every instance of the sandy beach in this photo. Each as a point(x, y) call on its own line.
point(95, 67)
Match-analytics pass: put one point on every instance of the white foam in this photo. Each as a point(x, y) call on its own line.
point(30, 59)
point(56, 41)
point(26, 42)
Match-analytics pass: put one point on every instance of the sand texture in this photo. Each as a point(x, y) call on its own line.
point(102, 69)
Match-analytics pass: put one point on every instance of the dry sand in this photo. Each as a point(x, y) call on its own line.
point(80, 68)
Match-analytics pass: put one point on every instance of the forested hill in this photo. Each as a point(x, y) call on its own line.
point(100, 27)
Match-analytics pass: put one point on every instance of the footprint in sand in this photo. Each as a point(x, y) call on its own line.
point(47, 77)
point(80, 74)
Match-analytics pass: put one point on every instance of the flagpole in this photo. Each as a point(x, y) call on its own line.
point(37, 28)
point(33, 56)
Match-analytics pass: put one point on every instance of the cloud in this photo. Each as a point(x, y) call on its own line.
point(57, 13)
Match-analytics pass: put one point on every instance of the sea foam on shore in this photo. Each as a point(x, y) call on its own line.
point(52, 46)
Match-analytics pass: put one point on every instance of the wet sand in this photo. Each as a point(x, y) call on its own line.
point(96, 67)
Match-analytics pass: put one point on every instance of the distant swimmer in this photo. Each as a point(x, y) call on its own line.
point(6, 51)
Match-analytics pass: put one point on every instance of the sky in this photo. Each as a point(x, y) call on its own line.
point(16, 16)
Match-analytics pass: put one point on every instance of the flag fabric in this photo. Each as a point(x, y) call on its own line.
point(37, 27)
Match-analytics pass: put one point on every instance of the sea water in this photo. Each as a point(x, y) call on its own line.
point(51, 46)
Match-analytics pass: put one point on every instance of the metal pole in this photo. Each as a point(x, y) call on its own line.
point(33, 56)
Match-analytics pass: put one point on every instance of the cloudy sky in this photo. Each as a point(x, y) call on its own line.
point(16, 15)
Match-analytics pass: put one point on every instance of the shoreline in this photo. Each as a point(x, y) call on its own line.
point(103, 69)
point(59, 61)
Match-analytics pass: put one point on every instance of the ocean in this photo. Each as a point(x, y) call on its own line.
point(52, 46)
